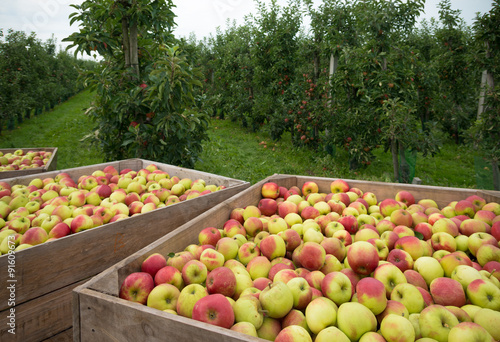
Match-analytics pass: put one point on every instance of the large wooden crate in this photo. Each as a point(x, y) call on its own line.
point(51, 164)
point(46, 274)
point(100, 315)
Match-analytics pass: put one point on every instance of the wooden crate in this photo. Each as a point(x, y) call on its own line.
point(99, 315)
point(46, 274)
point(50, 166)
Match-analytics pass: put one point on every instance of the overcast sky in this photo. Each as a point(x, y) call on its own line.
point(201, 17)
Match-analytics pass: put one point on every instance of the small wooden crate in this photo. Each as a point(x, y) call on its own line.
point(50, 166)
point(46, 274)
point(100, 315)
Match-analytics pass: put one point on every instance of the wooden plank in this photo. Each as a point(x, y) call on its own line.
point(51, 164)
point(119, 320)
point(65, 336)
point(101, 315)
point(55, 264)
point(40, 318)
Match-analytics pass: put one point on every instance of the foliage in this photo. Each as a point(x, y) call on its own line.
point(145, 106)
point(33, 77)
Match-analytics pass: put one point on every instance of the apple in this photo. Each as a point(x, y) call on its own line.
point(337, 287)
point(436, 322)
point(411, 245)
point(339, 185)
point(81, 222)
point(452, 260)
point(471, 226)
point(221, 280)
point(276, 225)
point(258, 267)
point(228, 247)
point(233, 227)
point(309, 187)
point(388, 205)
point(248, 309)
point(273, 246)
point(136, 287)
point(311, 255)
point(442, 240)
point(163, 297)
point(365, 320)
point(397, 328)
point(277, 299)
point(153, 263)
point(214, 309)
point(465, 207)
point(188, 297)
point(415, 278)
point(489, 319)
point(269, 329)
point(301, 291)
point(293, 333)
point(291, 238)
point(19, 224)
point(393, 307)
point(60, 230)
point(487, 253)
point(169, 275)
point(469, 331)
point(483, 293)
point(405, 197)
point(34, 236)
point(429, 268)
point(320, 314)
point(194, 272)
point(409, 296)
point(362, 257)
point(270, 190)
point(447, 292)
point(247, 252)
point(401, 217)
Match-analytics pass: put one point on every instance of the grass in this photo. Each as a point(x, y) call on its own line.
point(233, 151)
point(62, 127)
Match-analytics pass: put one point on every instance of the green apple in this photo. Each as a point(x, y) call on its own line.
point(490, 320)
point(365, 320)
point(163, 297)
point(293, 333)
point(248, 309)
point(469, 331)
point(465, 274)
point(277, 299)
point(429, 268)
point(332, 334)
point(410, 296)
point(188, 297)
point(484, 294)
point(436, 322)
point(397, 328)
point(320, 314)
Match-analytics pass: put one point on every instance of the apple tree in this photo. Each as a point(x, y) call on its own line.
point(485, 132)
point(144, 105)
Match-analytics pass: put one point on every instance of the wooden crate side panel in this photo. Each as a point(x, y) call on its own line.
point(40, 318)
point(52, 265)
point(112, 319)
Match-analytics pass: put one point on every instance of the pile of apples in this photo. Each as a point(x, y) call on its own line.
point(341, 266)
point(19, 160)
point(50, 208)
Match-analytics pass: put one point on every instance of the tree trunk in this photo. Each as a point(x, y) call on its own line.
point(134, 53)
point(496, 175)
point(395, 163)
point(126, 43)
